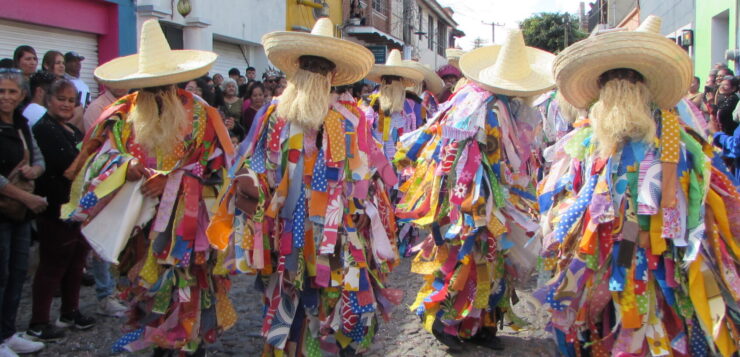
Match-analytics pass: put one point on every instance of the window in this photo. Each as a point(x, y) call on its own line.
point(441, 37)
point(380, 6)
point(430, 32)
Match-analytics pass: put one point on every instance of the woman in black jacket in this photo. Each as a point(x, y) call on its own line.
point(20, 160)
point(62, 248)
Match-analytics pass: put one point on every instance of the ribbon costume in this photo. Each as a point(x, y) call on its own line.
point(176, 289)
point(639, 231)
point(321, 269)
point(472, 186)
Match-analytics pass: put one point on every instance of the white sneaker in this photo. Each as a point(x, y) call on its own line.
point(110, 306)
point(21, 345)
point(5, 351)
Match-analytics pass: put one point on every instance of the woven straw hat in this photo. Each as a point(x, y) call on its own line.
point(433, 81)
point(453, 56)
point(666, 66)
point(511, 69)
point(395, 66)
point(155, 64)
point(353, 61)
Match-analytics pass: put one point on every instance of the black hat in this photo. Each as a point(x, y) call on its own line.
point(72, 55)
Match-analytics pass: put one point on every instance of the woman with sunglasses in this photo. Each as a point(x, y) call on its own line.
point(21, 163)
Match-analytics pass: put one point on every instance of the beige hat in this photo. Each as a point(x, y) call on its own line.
point(155, 64)
point(510, 69)
point(395, 66)
point(353, 61)
point(666, 66)
point(433, 81)
point(453, 56)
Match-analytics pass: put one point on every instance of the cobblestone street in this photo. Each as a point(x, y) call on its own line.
point(402, 336)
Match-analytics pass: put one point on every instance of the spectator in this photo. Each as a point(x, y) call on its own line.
point(191, 87)
point(232, 103)
point(279, 90)
point(21, 162)
point(721, 74)
point(62, 248)
point(26, 60)
point(361, 90)
point(270, 79)
point(730, 145)
point(234, 74)
point(235, 139)
point(251, 74)
point(7, 63)
point(218, 94)
point(694, 95)
point(205, 85)
point(39, 85)
point(724, 104)
point(73, 66)
point(232, 124)
point(53, 62)
point(256, 97)
point(93, 111)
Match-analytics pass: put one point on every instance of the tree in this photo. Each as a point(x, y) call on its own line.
point(551, 32)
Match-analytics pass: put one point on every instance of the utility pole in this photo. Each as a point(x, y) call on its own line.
point(493, 30)
point(478, 42)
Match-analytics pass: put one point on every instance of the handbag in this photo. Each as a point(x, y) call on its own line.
point(9, 207)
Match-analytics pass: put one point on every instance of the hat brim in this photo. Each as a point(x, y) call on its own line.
point(410, 75)
point(665, 66)
point(353, 61)
point(123, 72)
point(538, 81)
point(433, 81)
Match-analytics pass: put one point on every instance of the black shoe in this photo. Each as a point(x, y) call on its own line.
point(87, 279)
point(485, 338)
point(44, 333)
point(76, 320)
point(452, 342)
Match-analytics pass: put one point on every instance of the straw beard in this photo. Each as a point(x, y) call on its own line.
point(155, 130)
point(622, 114)
point(306, 99)
point(392, 97)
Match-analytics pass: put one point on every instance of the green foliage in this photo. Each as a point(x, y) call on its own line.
point(547, 31)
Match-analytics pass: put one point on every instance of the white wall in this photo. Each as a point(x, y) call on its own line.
point(242, 22)
point(426, 55)
point(720, 36)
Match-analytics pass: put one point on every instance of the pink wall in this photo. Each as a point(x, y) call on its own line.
point(94, 16)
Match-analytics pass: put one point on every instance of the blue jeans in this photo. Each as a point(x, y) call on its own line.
point(15, 242)
point(104, 284)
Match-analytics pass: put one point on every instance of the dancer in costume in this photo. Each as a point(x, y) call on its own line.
point(639, 214)
point(308, 210)
point(427, 90)
point(393, 112)
point(473, 187)
point(167, 145)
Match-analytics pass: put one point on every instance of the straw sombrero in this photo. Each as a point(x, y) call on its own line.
point(666, 66)
point(433, 81)
point(155, 64)
point(353, 61)
point(453, 56)
point(510, 69)
point(395, 66)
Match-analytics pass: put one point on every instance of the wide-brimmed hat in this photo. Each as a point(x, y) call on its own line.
point(353, 61)
point(395, 66)
point(433, 81)
point(453, 56)
point(155, 64)
point(512, 69)
point(665, 66)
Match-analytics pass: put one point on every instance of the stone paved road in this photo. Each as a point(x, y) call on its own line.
point(402, 336)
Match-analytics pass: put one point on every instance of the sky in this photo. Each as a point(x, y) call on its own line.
point(469, 14)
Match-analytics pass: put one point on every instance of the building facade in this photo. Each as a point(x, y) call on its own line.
point(422, 29)
point(231, 28)
point(301, 15)
point(715, 32)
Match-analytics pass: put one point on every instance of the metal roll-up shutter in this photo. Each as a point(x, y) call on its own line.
point(229, 56)
point(45, 38)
